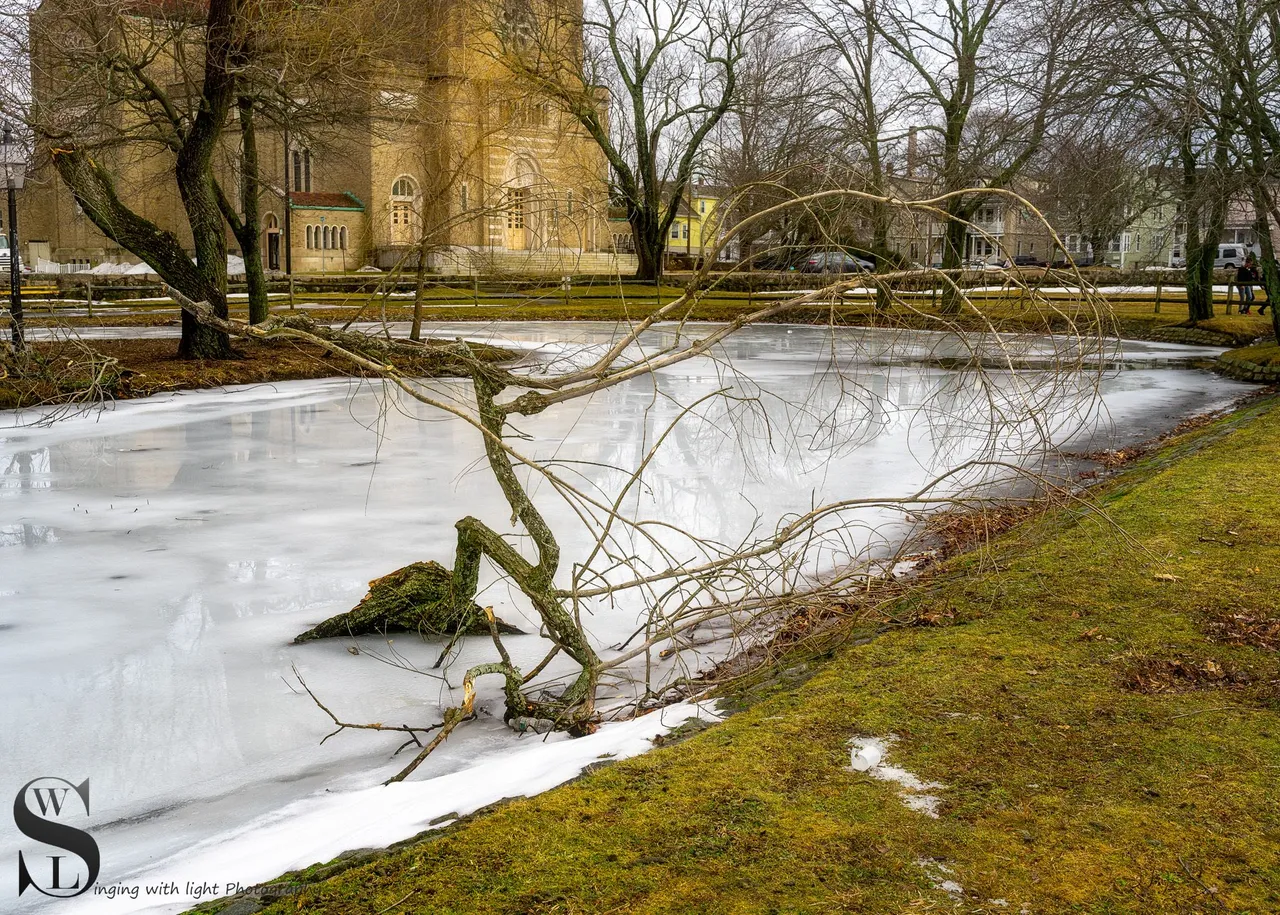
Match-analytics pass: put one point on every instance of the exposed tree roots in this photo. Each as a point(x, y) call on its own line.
point(417, 598)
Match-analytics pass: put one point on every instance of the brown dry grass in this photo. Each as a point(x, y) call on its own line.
point(64, 370)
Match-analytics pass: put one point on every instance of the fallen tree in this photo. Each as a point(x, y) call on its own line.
point(693, 588)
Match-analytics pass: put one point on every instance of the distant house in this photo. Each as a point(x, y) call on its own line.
point(696, 228)
point(1000, 229)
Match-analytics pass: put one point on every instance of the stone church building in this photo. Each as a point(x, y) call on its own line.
point(444, 153)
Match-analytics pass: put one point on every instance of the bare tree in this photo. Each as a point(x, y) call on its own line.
point(151, 111)
point(866, 92)
point(989, 79)
point(648, 80)
point(1251, 41)
point(99, 101)
point(1097, 176)
point(1187, 88)
point(776, 140)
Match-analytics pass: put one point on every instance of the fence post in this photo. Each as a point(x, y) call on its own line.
point(88, 295)
point(1159, 289)
point(1230, 288)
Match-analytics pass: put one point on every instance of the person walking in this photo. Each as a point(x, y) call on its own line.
point(1257, 278)
point(1246, 276)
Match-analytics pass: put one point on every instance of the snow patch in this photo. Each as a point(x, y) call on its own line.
point(868, 754)
point(321, 827)
point(940, 876)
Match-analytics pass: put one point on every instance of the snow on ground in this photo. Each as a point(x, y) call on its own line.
point(868, 754)
point(319, 829)
point(156, 560)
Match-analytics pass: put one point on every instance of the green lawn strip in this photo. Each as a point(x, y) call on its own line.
point(1100, 753)
point(1007, 312)
point(1266, 354)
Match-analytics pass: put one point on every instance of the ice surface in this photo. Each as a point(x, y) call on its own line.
point(156, 560)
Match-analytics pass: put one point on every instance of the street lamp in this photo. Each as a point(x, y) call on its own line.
point(13, 164)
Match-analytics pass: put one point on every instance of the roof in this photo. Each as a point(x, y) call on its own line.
point(325, 200)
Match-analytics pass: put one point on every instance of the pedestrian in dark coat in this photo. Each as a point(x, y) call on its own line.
point(1246, 276)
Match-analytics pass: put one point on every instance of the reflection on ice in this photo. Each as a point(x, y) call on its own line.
point(156, 560)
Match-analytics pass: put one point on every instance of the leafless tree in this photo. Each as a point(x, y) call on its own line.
point(867, 91)
point(649, 80)
point(1097, 176)
point(693, 588)
point(144, 108)
point(1250, 42)
point(1187, 87)
point(777, 139)
point(988, 80)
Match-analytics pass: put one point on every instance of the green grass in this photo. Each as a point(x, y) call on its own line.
point(1069, 788)
point(1265, 354)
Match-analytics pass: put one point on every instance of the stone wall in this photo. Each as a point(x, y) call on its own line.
point(1241, 368)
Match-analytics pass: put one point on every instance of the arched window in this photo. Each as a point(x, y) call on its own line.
point(310, 237)
point(328, 235)
point(342, 238)
point(302, 170)
point(404, 205)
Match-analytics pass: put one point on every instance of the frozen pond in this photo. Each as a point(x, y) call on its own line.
point(156, 560)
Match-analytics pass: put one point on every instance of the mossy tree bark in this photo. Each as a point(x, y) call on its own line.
point(576, 704)
point(427, 597)
point(246, 228)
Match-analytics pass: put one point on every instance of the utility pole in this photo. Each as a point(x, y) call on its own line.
point(13, 163)
point(288, 220)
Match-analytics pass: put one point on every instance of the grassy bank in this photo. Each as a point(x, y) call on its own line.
point(1136, 314)
point(1101, 707)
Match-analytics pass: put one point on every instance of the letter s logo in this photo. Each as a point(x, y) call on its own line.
point(51, 798)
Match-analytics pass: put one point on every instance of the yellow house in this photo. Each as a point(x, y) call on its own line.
point(696, 227)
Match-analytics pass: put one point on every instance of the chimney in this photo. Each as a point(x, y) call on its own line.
point(911, 153)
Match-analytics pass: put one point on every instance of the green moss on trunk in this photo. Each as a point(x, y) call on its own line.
point(417, 598)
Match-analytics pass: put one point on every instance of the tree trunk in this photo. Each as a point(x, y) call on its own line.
point(651, 246)
point(1097, 248)
point(419, 286)
point(953, 244)
point(1262, 229)
point(196, 187)
point(1199, 275)
point(249, 236)
point(880, 246)
point(1200, 280)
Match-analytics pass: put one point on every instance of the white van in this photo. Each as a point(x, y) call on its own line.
point(4, 260)
point(1233, 255)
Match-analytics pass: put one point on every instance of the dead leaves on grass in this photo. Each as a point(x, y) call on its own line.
point(1245, 628)
point(1151, 676)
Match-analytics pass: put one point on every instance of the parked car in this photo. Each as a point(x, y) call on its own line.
point(4, 259)
point(1023, 260)
point(836, 262)
point(1229, 256)
point(1232, 256)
